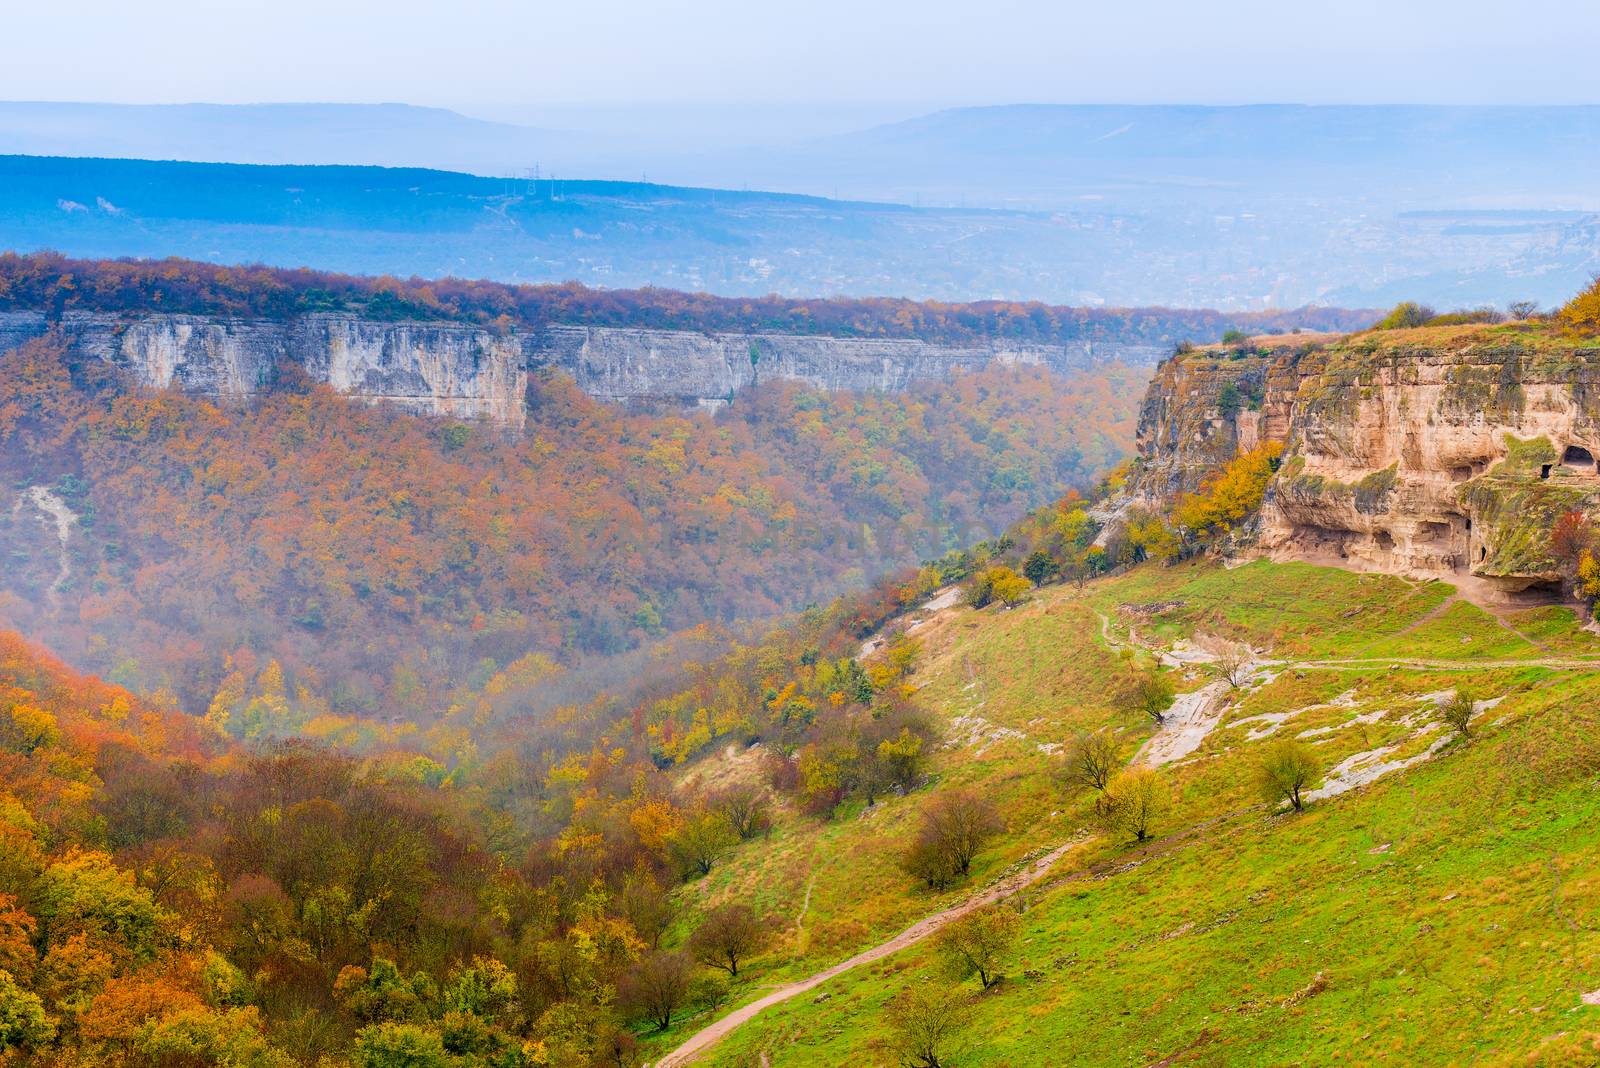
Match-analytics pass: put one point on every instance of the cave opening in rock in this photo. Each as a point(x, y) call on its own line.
point(1544, 470)
point(1434, 533)
point(1579, 458)
point(1545, 591)
point(1384, 539)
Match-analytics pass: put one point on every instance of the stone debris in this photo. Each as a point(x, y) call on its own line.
point(54, 509)
point(1318, 984)
point(1368, 767)
point(1192, 716)
point(970, 730)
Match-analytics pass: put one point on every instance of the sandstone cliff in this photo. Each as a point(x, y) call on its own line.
point(1446, 452)
point(468, 372)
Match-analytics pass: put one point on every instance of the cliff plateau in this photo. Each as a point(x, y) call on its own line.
point(465, 371)
point(1433, 452)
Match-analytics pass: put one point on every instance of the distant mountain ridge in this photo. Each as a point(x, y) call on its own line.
point(388, 135)
point(995, 155)
point(1230, 207)
point(1434, 151)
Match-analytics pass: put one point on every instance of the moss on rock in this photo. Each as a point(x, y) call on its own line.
point(1515, 516)
point(1372, 492)
point(1524, 458)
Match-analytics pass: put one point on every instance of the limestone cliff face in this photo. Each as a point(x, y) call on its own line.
point(707, 369)
point(464, 371)
point(1436, 452)
point(432, 368)
point(1198, 412)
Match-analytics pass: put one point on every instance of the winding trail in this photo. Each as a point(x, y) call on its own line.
point(703, 1039)
point(805, 906)
point(1368, 663)
point(1554, 663)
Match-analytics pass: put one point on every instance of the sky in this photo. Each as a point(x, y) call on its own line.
point(537, 59)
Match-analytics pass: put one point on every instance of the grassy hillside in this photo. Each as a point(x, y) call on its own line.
point(1444, 913)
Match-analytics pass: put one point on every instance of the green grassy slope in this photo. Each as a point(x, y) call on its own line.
point(1446, 913)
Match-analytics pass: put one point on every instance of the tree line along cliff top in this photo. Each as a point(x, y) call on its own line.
point(1572, 331)
point(55, 284)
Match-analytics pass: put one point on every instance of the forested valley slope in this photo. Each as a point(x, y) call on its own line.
point(1124, 783)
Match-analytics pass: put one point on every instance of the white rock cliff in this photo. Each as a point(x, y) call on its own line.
point(464, 371)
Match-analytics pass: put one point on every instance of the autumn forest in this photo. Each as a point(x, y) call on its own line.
point(367, 751)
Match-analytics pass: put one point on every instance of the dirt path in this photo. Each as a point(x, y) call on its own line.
point(1497, 612)
point(1554, 663)
point(1444, 606)
point(1535, 642)
point(805, 906)
point(1105, 632)
point(703, 1039)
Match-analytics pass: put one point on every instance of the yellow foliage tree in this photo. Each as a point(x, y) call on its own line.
point(1153, 537)
point(1582, 312)
point(1008, 586)
point(1588, 575)
point(1232, 494)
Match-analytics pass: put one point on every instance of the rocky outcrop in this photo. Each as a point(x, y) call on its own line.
point(1198, 412)
point(440, 369)
point(1444, 452)
point(465, 371)
point(631, 365)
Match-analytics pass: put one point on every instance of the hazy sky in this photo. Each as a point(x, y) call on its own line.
point(512, 58)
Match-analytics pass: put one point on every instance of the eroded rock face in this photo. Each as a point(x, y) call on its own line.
point(1448, 452)
point(629, 365)
point(1199, 411)
point(459, 370)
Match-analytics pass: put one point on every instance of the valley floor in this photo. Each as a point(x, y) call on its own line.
point(1438, 903)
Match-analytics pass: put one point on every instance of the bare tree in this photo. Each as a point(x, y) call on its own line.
point(923, 1022)
point(746, 808)
point(1235, 662)
point(657, 986)
point(955, 825)
point(1287, 768)
point(1091, 760)
point(729, 935)
point(979, 943)
point(961, 821)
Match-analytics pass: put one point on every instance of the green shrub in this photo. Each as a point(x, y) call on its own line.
point(1404, 315)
